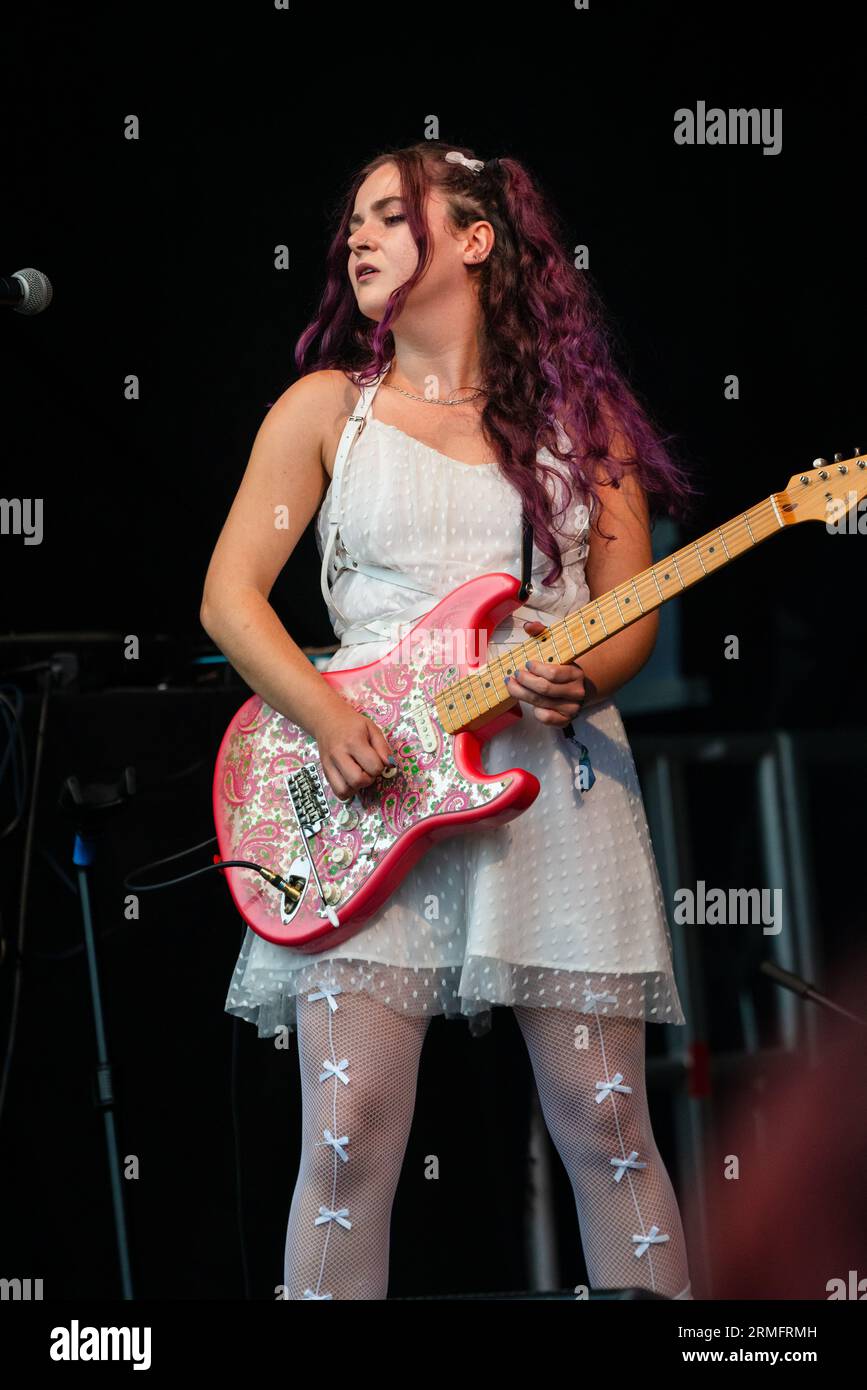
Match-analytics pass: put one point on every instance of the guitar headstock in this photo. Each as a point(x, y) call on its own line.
point(826, 492)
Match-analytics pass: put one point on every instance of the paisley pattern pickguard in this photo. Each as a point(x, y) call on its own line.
point(254, 810)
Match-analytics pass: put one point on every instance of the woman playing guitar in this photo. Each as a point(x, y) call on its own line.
point(454, 320)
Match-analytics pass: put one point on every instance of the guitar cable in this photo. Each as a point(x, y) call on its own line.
point(274, 878)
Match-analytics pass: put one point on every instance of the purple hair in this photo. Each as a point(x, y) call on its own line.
point(546, 346)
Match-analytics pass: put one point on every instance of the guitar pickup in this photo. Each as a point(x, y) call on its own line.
point(418, 711)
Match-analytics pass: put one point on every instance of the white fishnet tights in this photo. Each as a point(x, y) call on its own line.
point(359, 1068)
point(359, 1062)
point(589, 1071)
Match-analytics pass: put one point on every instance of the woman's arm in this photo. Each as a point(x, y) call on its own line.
point(625, 516)
point(557, 692)
point(280, 493)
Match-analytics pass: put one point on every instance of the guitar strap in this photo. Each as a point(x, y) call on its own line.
point(336, 558)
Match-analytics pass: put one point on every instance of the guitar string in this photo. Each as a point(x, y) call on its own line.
point(759, 513)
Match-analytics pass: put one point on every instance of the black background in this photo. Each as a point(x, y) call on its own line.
point(711, 260)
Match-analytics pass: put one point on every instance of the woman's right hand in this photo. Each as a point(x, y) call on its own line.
point(352, 749)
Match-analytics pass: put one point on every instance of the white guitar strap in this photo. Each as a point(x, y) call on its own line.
point(336, 558)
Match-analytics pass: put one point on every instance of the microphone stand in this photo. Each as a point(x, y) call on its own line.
point(88, 807)
point(805, 990)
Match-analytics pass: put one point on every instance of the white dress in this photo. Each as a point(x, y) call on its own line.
point(560, 908)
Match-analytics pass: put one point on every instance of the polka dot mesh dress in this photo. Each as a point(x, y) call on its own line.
point(562, 907)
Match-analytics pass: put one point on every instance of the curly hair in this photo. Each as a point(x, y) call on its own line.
point(546, 345)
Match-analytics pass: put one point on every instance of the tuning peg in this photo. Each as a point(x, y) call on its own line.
point(856, 451)
point(819, 463)
point(838, 458)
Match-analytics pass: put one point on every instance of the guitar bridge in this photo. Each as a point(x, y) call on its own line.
point(308, 798)
point(311, 810)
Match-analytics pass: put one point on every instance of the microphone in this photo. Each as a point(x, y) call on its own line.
point(27, 291)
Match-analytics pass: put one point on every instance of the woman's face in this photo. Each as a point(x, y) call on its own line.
point(379, 236)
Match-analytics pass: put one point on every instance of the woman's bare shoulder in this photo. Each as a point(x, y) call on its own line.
point(316, 391)
point(335, 396)
point(324, 399)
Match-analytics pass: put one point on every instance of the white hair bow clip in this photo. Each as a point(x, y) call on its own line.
point(455, 157)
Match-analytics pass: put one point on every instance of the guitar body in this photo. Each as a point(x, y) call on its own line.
point(273, 803)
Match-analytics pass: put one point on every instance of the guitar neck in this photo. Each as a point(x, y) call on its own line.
point(483, 694)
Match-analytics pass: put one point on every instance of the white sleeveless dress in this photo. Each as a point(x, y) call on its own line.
point(560, 908)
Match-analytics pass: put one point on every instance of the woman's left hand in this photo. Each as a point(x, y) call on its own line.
point(557, 695)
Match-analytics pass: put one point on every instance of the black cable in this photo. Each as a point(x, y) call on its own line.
point(169, 857)
point(269, 874)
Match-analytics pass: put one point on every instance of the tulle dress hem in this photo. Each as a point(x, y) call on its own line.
point(470, 989)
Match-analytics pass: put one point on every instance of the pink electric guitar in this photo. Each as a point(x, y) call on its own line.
point(307, 870)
